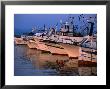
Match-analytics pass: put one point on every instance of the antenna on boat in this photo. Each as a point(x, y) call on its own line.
point(91, 22)
point(44, 27)
point(56, 28)
point(61, 22)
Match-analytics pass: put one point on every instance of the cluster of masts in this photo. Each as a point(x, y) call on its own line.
point(70, 27)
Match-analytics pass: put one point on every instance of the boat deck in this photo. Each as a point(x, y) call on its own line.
point(72, 51)
point(58, 51)
point(20, 41)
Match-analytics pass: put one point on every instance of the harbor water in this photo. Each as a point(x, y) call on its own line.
point(33, 62)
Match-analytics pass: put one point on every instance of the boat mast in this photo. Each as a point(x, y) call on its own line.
point(56, 28)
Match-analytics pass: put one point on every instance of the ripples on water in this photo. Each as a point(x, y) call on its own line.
point(31, 62)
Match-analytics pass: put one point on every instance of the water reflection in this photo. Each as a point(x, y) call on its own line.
point(32, 62)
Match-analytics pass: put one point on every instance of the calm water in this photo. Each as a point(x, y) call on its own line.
point(31, 62)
